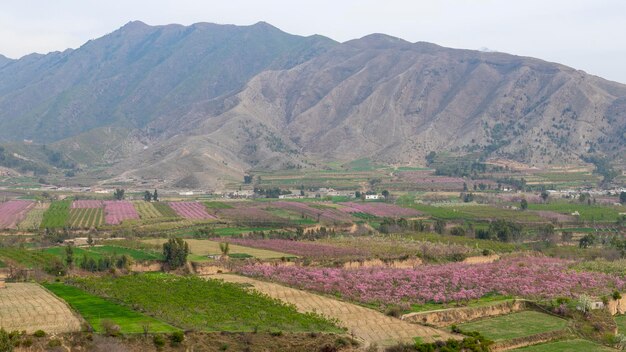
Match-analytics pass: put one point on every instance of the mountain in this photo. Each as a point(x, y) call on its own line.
point(139, 73)
point(198, 106)
point(4, 60)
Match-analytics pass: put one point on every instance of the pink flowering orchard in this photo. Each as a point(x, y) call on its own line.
point(191, 210)
point(116, 211)
point(530, 277)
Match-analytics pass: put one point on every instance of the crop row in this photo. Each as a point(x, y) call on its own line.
point(379, 209)
point(57, 215)
point(86, 218)
point(191, 210)
point(117, 211)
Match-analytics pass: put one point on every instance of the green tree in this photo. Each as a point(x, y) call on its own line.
point(524, 204)
point(587, 241)
point(155, 196)
point(457, 231)
point(175, 251)
point(430, 158)
point(440, 226)
point(545, 195)
point(505, 231)
point(385, 194)
point(69, 256)
point(147, 196)
point(118, 194)
point(622, 197)
point(89, 240)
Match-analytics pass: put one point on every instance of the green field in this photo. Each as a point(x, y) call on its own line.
point(229, 231)
point(620, 320)
point(498, 247)
point(25, 257)
point(98, 252)
point(57, 215)
point(515, 325)
point(96, 309)
point(587, 212)
point(33, 219)
point(146, 210)
point(86, 218)
point(476, 212)
point(217, 205)
point(207, 305)
point(165, 210)
point(576, 345)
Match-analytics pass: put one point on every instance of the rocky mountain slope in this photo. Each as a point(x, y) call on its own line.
point(197, 106)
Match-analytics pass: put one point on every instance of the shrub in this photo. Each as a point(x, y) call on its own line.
point(224, 347)
point(177, 338)
point(276, 333)
point(110, 328)
point(393, 311)
point(39, 333)
point(616, 295)
point(158, 341)
point(54, 343)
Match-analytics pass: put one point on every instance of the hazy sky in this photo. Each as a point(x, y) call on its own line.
point(587, 35)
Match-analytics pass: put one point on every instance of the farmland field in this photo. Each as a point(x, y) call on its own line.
point(620, 320)
point(85, 218)
point(33, 218)
point(57, 215)
point(12, 212)
point(191, 210)
point(95, 309)
point(25, 257)
point(146, 210)
point(165, 210)
point(208, 247)
point(208, 305)
point(27, 306)
point(378, 209)
point(587, 212)
point(97, 252)
point(529, 277)
point(576, 345)
point(117, 211)
point(515, 325)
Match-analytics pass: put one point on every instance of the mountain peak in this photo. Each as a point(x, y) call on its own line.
point(378, 41)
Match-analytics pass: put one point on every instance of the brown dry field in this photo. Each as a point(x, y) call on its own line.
point(30, 307)
point(367, 325)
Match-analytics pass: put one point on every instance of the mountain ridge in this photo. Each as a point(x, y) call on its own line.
point(197, 106)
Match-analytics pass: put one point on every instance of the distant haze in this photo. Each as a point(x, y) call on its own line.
point(586, 35)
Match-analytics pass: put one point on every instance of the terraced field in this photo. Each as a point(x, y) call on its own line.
point(25, 257)
point(29, 307)
point(515, 325)
point(576, 345)
point(95, 309)
point(86, 218)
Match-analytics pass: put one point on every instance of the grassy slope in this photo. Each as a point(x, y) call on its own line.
point(209, 305)
point(95, 309)
point(515, 325)
point(576, 345)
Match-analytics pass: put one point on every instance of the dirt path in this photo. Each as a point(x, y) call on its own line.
point(28, 306)
point(366, 324)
